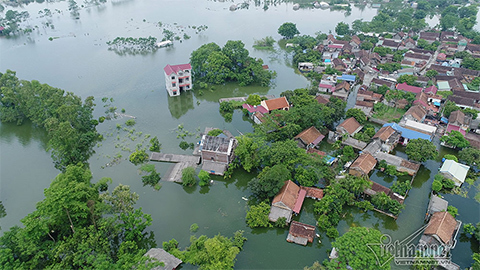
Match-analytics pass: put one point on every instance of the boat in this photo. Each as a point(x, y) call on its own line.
point(296, 7)
point(324, 5)
point(164, 43)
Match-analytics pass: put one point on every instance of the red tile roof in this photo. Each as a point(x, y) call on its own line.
point(365, 163)
point(301, 230)
point(321, 100)
point(384, 133)
point(287, 195)
point(431, 90)
point(252, 109)
point(310, 135)
point(277, 103)
point(299, 202)
point(314, 193)
point(443, 225)
point(350, 125)
point(409, 88)
point(169, 69)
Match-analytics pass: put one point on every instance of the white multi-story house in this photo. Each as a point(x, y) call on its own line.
point(178, 78)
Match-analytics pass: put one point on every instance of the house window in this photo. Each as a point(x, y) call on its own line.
point(180, 81)
point(174, 84)
point(187, 79)
point(187, 87)
point(173, 77)
point(187, 71)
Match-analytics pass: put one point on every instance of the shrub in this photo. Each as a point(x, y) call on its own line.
point(437, 186)
point(204, 177)
point(451, 157)
point(452, 210)
point(281, 222)
point(257, 216)
point(226, 107)
point(194, 227)
point(214, 132)
point(184, 145)
point(332, 232)
point(155, 145)
point(130, 122)
point(188, 177)
point(138, 157)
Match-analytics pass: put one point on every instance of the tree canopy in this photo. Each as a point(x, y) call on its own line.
point(216, 65)
point(421, 150)
point(359, 248)
point(77, 226)
point(455, 139)
point(288, 30)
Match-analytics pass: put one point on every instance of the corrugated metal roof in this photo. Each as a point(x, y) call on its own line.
point(408, 133)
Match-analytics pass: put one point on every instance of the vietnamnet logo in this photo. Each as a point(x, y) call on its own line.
point(405, 252)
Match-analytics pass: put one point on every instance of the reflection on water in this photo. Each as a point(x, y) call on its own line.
point(180, 105)
point(25, 134)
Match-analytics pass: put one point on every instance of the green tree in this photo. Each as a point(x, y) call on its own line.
point(431, 73)
point(342, 29)
point(254, 100)
point(359, 248)
point(152, 177)
point(366, 45)
point(288, 30)
point(247, 151)
point(470, 156)
point(409, 79)
point(269, 181)
point(449, 107)
point(204, 177)
point(188, 177)
point(76, 227)
point(394, 96)
point(455, 139)
point(421, 150)
point(257, 216)
point(452, 210)
point(437, 185)
point(348, 154)
point(358, 114)
point(155, 145)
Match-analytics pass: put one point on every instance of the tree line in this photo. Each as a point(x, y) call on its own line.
point(68, 121)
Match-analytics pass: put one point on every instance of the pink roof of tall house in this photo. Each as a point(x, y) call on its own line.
point(335, 46)
point(323, 85)
point(252, 109)
point(457, 128)
point(442, 57)
point(431, 90)
point(409, 88)
point(169, 69)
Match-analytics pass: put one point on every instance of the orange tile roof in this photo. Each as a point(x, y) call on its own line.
point(277, 103)
point(350, 125)
point(365, 163)
point(384, 133)
point(310, 135)
point(287, 195)
point(443, 225)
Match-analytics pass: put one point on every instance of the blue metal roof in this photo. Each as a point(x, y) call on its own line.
point(408, 133)
point(346, 77)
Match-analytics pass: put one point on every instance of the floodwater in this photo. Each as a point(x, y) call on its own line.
point(78, 60)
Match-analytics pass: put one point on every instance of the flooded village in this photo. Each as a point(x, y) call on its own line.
point(307, 149)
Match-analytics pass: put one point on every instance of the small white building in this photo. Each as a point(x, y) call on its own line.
point(454, 171)
point(178, 78)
